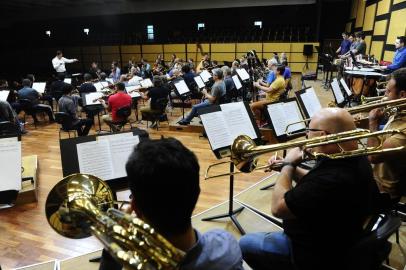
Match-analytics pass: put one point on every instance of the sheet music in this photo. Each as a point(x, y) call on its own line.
point(199, 81)
point(121, 146)
point(110, 80)
point(243, 74)
point(91, 97)
point(283, 114)
point(100, 85)
point(311, 101)
point(216, 129)
point(10, 160)
point(4, 95)
point(39, 86)
point(360, 69)
point(135, 80)
point(347, 90)
point(237, 82)
point(94, 158)
point(238, 120)
point(363, 73)
point(337, 91)
point(205, 75)
point(181, 86)
point(67, 80)
point(146, 83)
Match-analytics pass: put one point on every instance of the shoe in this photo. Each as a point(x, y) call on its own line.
point(183, 123)
point(23, 132)
point(153, 125)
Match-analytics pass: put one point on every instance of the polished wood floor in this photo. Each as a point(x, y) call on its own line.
point(26, 237)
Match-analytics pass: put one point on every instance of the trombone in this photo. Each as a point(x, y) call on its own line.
point(369, 100)
point(245, 153)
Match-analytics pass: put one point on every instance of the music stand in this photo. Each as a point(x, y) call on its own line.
point(183, 92)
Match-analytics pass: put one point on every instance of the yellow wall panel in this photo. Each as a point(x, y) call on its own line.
point(168, 56)
point(111, 57)
point(298, 67)
point(368, 43)
point(380, 27)
point(223, 47)
point(192, 47)
point(110, 49)
point(245, 47)
point(398, 1)
point(90, 50)
point(348, 27)
point(359, 20)
point(130, 49)
point(269, 55)
point(276, 47)
point(369, 17)
point(131, 56)
point(397, 25)
point(174, 48)
point(223, 56)
point(354, 7)
point(149, 57)
point(152, 49)
point(376, 49)
point(388, 56)
point(383, 7)
point(298, 47)
point(299, 57)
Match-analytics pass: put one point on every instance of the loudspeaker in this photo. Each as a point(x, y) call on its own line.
point(308, 49)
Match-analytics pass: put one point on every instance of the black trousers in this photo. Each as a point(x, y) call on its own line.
point(83, 126)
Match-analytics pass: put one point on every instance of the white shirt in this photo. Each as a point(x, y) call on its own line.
point(59, 64)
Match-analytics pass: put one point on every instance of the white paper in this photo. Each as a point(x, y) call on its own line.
point(39, 87)
point(120, 149)
point(132, 88)
point(146, 83)
point(237, 82)
point(238, 120)
point(199, 82)
point(10, 160)
point(216, 129)
point(76, 74)
point(347, 90)
point(135, 80)
point(100, 86)
point(311, 101)
point(337, 91)
point(181, 86)
point(360, 69)
point(205, 75)
point(92, 98)
point(68, 80)
point(110, 80)
point(4, 95)
point(243, 74)
point(363, 73)
point(95, 158)
point(115, 136)
point(283, 114)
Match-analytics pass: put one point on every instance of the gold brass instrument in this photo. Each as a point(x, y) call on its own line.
point(368, 100)
point(245, 153)
point(82, 204)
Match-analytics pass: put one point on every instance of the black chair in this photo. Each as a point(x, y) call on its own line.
point(374, 248)
point(66, 122)
point(159, 114)
point(28, 107)
point(123, 113)
point(8, 128)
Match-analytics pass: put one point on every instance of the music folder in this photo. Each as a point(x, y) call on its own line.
point(243, 74)
point(237, 82)
point(39, 87)
point(308, 101)
point(181, 88)
point(4, 95)
point(199, 81)
point(345, 86)
point(91, 99)
point(223, 123)
point(338, 95)
point(205, 75)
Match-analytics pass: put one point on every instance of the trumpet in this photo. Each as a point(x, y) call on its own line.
point(245, 153)
point(81, 205)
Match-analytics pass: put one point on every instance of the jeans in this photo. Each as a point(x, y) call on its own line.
point(266, 250)
point(193, 113)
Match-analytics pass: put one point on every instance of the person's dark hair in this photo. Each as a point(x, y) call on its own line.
point(186, 68)
point(163, 177)
point(345, 33)
point(87, 77)
point(30, 77)
point(103, 75)
point(115, 63)
point(61, 76)
point(58, 52)
point(400, 78)
point(281, 69)
point(26, 82)
point(351, 35)
point(402, 39)
point(120, 86)
point(360, 34)
point(67, 89)
point(157, 81)
point(3, 83)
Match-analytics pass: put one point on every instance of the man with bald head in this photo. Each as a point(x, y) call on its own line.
point(323, 212)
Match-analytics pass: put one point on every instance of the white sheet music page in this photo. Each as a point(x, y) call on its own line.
point(337, 91)
point(199, 81)
point(95, 158)
point(238, 120)
point(347, 90)
point(120, 149)
point(147, 83)
point(243, 74)
point(4, 95)
point(182, 88)
point(110, 80)
point(311, 101)
point(205, 75)
point(293, 115)
point(39, 87)
point(67, 80)
point(133, 91)
point(237, 82)
point(216, 129)
point(283, 114)
point(92, 98)
point(10, 164)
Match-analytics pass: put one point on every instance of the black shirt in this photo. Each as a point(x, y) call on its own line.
point(56, 90)
point(330, 205)
point(156, 93)
point(87, 87)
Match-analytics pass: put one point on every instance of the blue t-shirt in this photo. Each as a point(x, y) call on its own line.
point(271, 75)
point(399, 60)
point(345, 46)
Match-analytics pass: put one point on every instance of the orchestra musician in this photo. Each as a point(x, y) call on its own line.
point(58, 62)
point(389, 168)
point(399, 59)
point(204, 63)
point(359, 47)
point(87, 86)
point(115, 71)
point(323, 214)
point(95, 71)
point(345, 45)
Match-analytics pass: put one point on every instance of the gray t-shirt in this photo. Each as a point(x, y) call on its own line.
point(361, 48)
point(218, 90)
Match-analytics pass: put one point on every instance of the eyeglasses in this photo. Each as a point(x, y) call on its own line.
point(314, 130)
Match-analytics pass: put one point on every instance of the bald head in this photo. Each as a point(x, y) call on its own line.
point(332, 120)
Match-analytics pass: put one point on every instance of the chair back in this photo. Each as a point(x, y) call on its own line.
point(9, 129)
point(64, 119)
point(124, 112)
point(161, 104)
point(26, 104)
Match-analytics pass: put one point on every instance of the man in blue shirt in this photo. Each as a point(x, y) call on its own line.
point(271, 77)
point(399, 60)
point(345, 45)
point(163, 176)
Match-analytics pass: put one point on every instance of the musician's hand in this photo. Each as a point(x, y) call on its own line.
point(274, 160)
point(256, 84)
point(375, 115)
point(204, 91)
point(294, 156)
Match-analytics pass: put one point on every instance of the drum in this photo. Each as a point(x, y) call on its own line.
point(361, 87)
